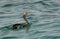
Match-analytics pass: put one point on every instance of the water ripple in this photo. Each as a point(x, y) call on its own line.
point(10, 37)
point(50, 37)
point(44, 19)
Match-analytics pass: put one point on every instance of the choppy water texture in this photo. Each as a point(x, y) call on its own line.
point(44, 17)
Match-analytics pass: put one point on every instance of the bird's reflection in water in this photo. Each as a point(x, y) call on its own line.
point(28, 27)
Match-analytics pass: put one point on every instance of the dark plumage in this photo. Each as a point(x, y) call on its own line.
point(16, 25)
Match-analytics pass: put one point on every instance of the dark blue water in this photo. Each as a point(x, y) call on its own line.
point(44, 19)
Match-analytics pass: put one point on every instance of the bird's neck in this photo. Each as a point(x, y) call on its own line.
point(26, 21)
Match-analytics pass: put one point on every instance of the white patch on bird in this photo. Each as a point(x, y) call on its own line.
point(24, 13)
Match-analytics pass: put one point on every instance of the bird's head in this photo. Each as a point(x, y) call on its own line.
point(26, 13)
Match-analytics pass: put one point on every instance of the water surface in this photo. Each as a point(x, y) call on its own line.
point(44, 19)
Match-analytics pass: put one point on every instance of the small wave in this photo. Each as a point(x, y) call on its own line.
point(48, 4)
point(50, 37)
point(37, 32)
point(8, 5)
point(28, 3)
point(7, 15)
point(6, 27)
point(2, 13)
point(9, 37)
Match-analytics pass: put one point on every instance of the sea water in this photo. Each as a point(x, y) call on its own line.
point(44, 19)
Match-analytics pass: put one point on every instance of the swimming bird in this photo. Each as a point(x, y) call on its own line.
point(15, 26)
